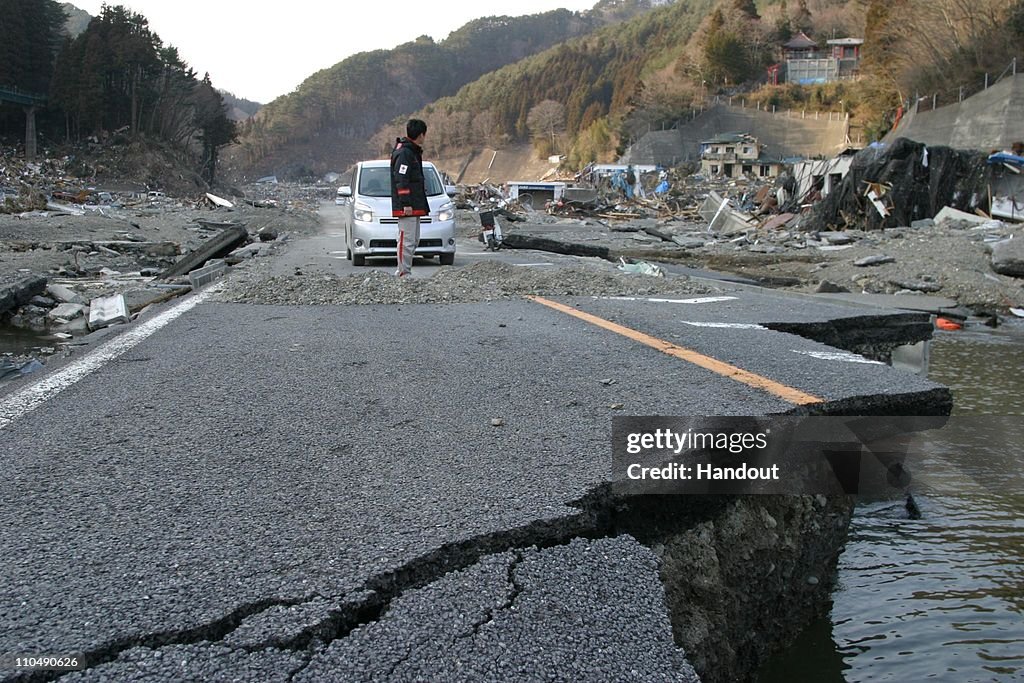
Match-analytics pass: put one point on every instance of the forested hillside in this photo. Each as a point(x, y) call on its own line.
point(577, 88)
point(326, 122)
point(588, 98)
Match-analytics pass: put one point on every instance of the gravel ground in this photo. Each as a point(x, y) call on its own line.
point(478, 282)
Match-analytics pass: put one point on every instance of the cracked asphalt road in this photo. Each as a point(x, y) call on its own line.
point(231, 497)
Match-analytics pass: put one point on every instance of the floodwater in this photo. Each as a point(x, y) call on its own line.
point(18, 342)
point(940, 598)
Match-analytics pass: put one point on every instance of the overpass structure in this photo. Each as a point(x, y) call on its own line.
point(30, 102)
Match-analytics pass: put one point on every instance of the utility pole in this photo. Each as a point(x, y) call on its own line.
point(30, 133)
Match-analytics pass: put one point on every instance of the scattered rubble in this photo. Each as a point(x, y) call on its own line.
point(488, 281)
point(80, 252)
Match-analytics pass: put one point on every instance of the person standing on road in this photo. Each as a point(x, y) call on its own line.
point(408, 191)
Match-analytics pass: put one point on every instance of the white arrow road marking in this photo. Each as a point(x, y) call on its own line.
point(841, 356)
point(21, 402)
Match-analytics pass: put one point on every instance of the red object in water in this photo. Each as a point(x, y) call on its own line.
point(947, 324)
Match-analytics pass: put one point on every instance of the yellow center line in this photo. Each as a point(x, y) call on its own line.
point(782, 391)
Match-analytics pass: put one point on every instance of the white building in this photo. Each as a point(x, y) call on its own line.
point(823, 175)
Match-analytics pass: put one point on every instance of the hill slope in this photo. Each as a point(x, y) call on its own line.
point(325, 123)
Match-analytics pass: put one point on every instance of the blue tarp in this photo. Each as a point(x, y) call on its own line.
point(1006, 158)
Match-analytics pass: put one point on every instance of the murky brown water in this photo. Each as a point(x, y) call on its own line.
point(940, 598)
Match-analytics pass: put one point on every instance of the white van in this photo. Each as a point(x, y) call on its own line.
point(370, 228)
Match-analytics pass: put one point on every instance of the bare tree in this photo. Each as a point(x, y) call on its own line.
point(546, 119)
point(484, 127)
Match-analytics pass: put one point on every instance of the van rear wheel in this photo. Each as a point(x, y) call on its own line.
point(447, 259)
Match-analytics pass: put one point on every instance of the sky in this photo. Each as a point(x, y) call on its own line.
point(259, 51)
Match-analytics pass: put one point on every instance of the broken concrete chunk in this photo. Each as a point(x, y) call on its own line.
point(948, 213)
point(826, 287)
point(19, 290)
point(875, 260)
point(76, 326)
point(42, 301)
point(246, 252)
point(267, 234)
point(1008, 257)
point(64, 294)
point(219, 246)
point(688, 242)
point(208, 273)
point(66, 312)
point(836, 237)
point(106, 311)
point(929, 287)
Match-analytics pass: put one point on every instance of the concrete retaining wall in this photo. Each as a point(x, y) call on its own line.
point(784, 134)
point(986, 121)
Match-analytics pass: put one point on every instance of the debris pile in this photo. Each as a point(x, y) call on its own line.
point(78, 256)
point(487, 281)
point(893, 186)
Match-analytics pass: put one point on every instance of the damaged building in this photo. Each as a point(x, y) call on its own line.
point(735, 154)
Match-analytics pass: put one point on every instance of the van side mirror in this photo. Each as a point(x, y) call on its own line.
point(451, 190)
point(345, 191)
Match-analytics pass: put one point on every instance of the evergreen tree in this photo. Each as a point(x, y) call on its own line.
point(30, 37)
point(747, 7)
point(783, 27)
point(801, 20)
point(215, 128)
point(726, 58)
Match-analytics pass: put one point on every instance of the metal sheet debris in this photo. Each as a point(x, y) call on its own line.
point(106, 311)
